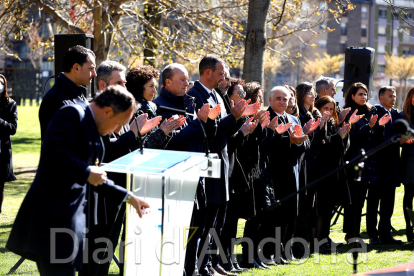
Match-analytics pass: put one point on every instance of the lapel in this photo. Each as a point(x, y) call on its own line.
point(207, 98)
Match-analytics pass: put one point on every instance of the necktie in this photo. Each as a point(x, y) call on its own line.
point(213, 94)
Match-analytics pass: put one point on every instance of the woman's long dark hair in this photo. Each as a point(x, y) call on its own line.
point(4, 97)
point(349, 102)
point(408, 107)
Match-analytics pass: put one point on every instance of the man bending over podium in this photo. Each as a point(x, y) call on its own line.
point(53, 224)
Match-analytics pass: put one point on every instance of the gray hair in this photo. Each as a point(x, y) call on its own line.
point(104, 71)
point(116, 97)
point(279, 88)
point(168, 71)
point(323, 82)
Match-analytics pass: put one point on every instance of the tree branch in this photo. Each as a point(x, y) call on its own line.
point(57, 17)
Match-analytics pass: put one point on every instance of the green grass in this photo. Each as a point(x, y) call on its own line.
point(26, 149)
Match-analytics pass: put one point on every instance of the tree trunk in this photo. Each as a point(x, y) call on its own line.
point(255, 45)
point(153, 15)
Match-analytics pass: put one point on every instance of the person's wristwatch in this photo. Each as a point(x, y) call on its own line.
point(128, 197)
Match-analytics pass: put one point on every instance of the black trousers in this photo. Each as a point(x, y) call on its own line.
point(47, 269)
point(383, 195)
point(1, 195)
point(353, 211)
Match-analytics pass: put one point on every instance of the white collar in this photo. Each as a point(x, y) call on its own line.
point(208, 90)
point(389, 110)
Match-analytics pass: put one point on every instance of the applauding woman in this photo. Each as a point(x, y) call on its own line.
point(330, 151)
point(407, 156)
point(8, 126)
point(142, 82)
point(363, 121)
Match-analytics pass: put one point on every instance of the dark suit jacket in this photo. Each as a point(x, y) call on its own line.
point(64, 92)
point(217, 190)
point(388, 159)
point(60, 196)
point(281, 160)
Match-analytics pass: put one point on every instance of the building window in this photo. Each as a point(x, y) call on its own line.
point(382, 14)
point(395, 51)
point(342, 46)
point(364, 12)
point(322, 44)
point(364, 30)
point(381, 49)
point(343, 28)
point(395, 33)
point(381, 30)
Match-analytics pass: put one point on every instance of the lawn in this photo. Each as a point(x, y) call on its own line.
point(26, 148)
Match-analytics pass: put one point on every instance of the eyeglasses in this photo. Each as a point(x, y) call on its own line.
point(311, 94)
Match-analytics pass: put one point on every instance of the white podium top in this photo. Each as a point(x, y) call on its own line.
point(161, 162)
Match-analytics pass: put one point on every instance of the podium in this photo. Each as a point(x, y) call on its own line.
point(167, 181)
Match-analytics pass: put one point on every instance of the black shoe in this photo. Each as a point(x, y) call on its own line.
point(335, 244)
point(281, 261)
point(374, 240)
point(251, 264)
point(409, 233)
point(390, 240)
point(237, 267)
point(325, 248)
point(269, 262)
point(259, 262)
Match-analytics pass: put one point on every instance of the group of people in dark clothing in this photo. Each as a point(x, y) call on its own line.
point(265, 155)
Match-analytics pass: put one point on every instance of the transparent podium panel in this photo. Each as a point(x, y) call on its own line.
point(167, 181)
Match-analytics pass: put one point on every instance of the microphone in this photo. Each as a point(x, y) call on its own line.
point(401, 127)
point(179, 111)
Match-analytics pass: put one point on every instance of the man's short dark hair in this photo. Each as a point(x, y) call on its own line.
point(116, 97)
point(209, 62)
point(104, 71)
point(76, 54)
point(383, 89)
point(168, 71)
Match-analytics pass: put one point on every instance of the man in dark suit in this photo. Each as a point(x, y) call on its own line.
point(116, 145)
point(53, 225)
point(212, 72)
point(79, 70)
point(189, 137)
point(387, 164)
point(281, 152)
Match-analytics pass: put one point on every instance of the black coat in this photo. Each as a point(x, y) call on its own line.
point(64, 92)
point(60, 196)
point(8, 127)
point(330, 150)
point(407, 158)
point(217, 189)
point(361, 137)
point(281, 162)
point(388, 159)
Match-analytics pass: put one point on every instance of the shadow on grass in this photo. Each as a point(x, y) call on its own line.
point(25, 141)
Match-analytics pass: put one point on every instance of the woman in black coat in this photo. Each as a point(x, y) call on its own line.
point(330, 150)
point(363, 120)
point(142, 82)
point(310, 118)
point(407, 173)
point(8, 126)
